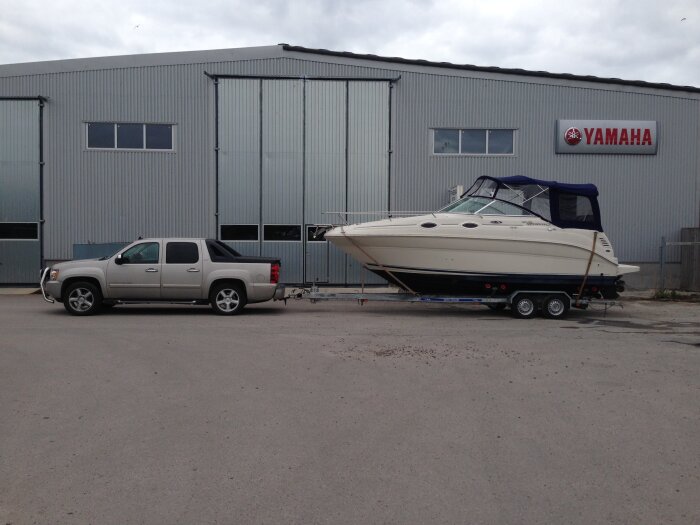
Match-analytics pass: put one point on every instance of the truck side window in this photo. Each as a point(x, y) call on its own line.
point(181, 253)
point(144, 253)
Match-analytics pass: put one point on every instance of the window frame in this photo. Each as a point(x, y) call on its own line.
point(115, 124)
point(257, 237)
point(459, 131)
point(301, 232)
point(22, 239)
point(193, 243)
point(127, 263)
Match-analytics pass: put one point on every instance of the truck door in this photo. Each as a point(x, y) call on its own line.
point(182, 271)
point(138, 274)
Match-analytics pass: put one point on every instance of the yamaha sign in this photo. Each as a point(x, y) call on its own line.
point(617, 137)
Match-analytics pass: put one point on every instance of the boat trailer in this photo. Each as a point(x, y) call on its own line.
point(524, 304)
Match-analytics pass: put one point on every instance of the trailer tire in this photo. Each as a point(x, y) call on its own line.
point(555, 306)
point(524, 307)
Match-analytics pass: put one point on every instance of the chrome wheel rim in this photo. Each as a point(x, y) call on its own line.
point(227, 300)
point(81, 299)
point(555, 307)
point(525, 306)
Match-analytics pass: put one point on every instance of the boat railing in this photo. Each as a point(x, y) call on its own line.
point(382, 214)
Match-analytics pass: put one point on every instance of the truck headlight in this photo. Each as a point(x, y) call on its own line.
point(53, 275)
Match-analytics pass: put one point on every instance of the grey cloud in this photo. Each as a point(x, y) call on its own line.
point(642, 39)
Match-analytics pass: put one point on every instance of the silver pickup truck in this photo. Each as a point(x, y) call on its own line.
point(192, 271)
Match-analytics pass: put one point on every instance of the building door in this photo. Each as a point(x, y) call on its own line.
point(293, 153)
point(20, 191)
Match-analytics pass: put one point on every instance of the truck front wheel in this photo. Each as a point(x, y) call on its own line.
point(82, 298)
point(227, 299)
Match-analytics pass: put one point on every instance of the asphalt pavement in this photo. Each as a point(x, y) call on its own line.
point(340, 413)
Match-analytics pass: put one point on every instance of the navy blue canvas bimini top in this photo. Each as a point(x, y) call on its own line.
point(564, 205)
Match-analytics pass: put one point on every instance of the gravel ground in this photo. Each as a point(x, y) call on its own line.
point(339, 413)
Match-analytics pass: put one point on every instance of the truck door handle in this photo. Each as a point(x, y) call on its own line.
point(151, 270)
point(192, 270)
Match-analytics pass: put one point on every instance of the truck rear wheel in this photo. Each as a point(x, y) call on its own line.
point(82, 298)
point(227, 299)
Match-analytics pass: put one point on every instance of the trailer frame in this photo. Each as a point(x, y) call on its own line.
point(524, 304)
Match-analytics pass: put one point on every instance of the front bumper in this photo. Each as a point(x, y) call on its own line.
point(45, 291)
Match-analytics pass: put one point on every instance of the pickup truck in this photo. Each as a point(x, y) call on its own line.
point(192, 271)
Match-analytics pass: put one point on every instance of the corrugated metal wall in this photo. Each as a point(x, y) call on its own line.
point(102, 196)
point(325, 173)
point(642, 197)
point(324, 148)
point(20, 260)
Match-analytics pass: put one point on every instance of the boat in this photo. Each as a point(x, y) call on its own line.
point(503, 235)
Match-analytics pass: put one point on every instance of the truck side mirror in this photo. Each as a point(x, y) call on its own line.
point(119, 259)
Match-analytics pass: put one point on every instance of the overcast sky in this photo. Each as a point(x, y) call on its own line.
point(653, 40)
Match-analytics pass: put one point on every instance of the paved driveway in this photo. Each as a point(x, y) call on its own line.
point(340, 413)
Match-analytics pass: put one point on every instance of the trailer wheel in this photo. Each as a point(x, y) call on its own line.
point(555, 307)
point(524, 307)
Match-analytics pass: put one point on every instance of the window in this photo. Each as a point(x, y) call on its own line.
point(144, 253)
point(239, 232)
point(159, 136)
point(446, 141)
point(19, 230)
point(473, 141)
point(131, 136)
point(221, 252)
point(317, 232)
point(282, 232)
point(181, 253)
point(100, 135)
point(576, 208)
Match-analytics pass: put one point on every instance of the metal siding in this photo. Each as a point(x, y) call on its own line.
point(111, 196)
point(239, 153)
point(98, 196)
point(20, 262)
point(642, 198)
point(19, 161)
point(282, 168)
point(368, 159)
point(325, 148)
point(291, 255)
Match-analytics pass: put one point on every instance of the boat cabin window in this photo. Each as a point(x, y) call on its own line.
point(484, 206)
point(576, 208)
point(530, 196)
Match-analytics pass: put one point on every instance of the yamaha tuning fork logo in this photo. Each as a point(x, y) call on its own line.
point(572, 136)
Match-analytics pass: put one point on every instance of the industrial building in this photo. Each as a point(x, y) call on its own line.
point(256, 146)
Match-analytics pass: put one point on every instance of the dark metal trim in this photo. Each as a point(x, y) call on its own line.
point(505, 71)
point(38, 97)
point(303, 182)
point(216, 158)
point(390, 152)
point(41, 181)
point(304, 77)
point(347, 165)
point(261, 170)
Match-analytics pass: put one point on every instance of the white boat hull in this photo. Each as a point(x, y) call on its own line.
point(489, 252)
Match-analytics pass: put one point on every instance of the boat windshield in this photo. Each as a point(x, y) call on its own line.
point(474, 205)
point(562, 204)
